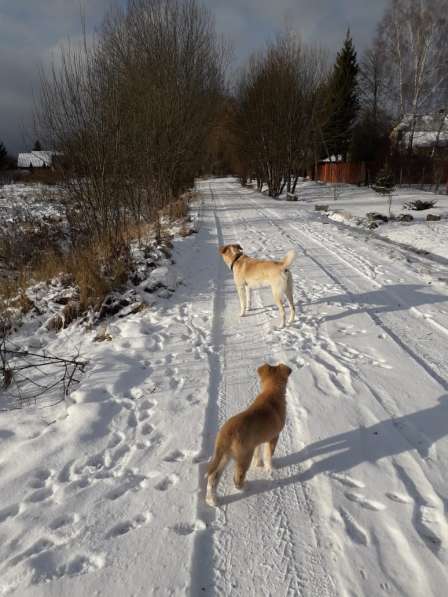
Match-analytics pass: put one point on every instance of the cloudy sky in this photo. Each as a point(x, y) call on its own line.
point(32, 30)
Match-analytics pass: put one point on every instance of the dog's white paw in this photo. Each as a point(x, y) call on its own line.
point(256, 463)
point(211, 500)
point(268, 468)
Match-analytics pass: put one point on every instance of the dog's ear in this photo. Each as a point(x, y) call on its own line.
point(285, 369)
point(239, 247)
point(223, 249)
point(263, 370)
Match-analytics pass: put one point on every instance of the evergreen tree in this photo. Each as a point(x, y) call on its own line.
point(342, 100)
point(3, 155)
point(37, 146)
point(385, 186)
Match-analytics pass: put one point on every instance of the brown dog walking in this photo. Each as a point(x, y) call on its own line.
point(242, 436)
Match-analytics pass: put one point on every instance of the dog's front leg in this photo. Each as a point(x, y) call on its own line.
point(247, 298)
point(242, 295)
point(241, 467)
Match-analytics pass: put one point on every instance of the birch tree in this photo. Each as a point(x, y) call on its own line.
point(414, 34)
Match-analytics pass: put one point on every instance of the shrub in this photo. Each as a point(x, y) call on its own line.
point(420, 204)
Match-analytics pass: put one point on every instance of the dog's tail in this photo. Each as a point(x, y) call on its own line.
point(288, 259)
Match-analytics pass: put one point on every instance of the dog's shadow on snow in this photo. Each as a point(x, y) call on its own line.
point(395, 297)
point(417, 431)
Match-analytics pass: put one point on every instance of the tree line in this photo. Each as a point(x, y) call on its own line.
point(143, 108)
point(292, 107)
point(130, 111)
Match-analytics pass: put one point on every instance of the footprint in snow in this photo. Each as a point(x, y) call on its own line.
point(147, 404)
point(192, 400)
point(134, 483)
point(147, 429)
point(175, 456)
point(364, 502)
point(38, 547)
point(47, 565)
point(143, 445)
point(79, 484)
point(63, 521)
point(124, 527)
point(116, 439)
point(143, 415)
point(40, 495)
point(9, 512)
point(132, 420)
point(347, 480)
point(166, 483)
point(36, 484)
point(185, 528)
point(399, 498)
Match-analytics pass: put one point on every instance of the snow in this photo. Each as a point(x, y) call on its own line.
point(431, 237)
point(354, 203)
point(20, 200)
point(430, 129)
point(426, 138)
point(104, 493)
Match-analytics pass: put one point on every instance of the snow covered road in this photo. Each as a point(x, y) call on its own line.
point(357, 502)
point(105, 495)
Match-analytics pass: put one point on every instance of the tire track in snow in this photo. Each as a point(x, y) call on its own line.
point(415, 351)
point(267, 541)
point(387, 405)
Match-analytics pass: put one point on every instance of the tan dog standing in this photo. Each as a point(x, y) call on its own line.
point(254, 273)
point(242, 435)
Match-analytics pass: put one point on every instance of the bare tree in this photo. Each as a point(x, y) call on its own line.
point(414, 34)
point(276, 96)
point(373, 80)
point(131, 110)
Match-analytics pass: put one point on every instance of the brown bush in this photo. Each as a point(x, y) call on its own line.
point(23, 242)
point(94, 269)
point(47, 176)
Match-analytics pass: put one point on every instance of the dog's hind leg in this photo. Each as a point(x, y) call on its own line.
point(215, 470)
point(290, 299)
point(257, 459)
point(269, 449)
point(278, 301)
point(241, 468)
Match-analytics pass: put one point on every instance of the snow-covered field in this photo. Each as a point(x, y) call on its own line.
point(354, 203)
point(103, 494)
point(20, 200)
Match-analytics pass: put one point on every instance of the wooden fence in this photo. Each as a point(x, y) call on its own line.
point(351, 173)
point(414, 170)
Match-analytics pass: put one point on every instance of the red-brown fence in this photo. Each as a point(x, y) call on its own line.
point(351, 173)
point(407, 170)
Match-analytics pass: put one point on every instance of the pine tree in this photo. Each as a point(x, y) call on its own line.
point(3, 155)
point(37, 146)
point(385, 186)
point(343, 100)
point(384, 182)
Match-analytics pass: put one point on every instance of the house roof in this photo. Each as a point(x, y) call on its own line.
point(36, 159)
point(427, 128)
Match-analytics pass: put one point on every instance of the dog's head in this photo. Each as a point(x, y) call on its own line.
point(279, 372)
point(229, 252)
